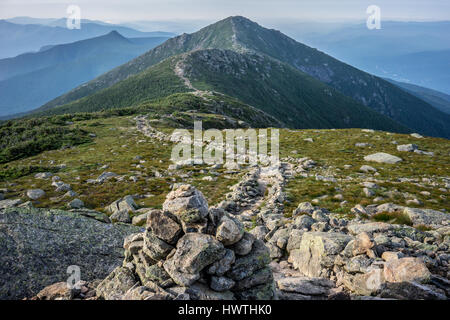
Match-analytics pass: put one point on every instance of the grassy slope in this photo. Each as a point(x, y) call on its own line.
point(278, 89)
point(117, 143)
point(365, 88)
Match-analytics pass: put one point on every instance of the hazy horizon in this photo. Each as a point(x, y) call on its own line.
point(116, 11)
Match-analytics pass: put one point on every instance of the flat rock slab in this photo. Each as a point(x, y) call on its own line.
point(427, 217)
point(369, 228)
point(38, 245)
point(382, 157)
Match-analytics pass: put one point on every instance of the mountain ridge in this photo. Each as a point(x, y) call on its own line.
point(29, 80)
point(242, 35)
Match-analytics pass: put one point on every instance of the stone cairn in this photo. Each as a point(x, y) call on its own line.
point(190, 251)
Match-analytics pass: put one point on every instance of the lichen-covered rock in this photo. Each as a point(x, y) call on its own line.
point(188, 203)
point(427, 217)
point(406, 269)
point(123, 204)
point(194, 252)
point(215, 260)
point(244, 246)
point(305, 285)
point(116, 284)
point(100, 216)
point(27, 235)
point(223, 265)
point(35, 194)
point(155, 248)
point(245, 266)
point(164, 226)
point(229, 231)
point(382, 157)
point(9, 203)
point(317, 251)
point(121, 216)
point(56, 291)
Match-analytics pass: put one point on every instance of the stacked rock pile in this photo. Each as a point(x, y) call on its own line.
point(190, 251)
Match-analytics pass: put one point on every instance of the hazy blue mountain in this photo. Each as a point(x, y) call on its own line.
point(294, 98)
point(437, 99)
point(416, 52)
point(31, 79)
point(32, 37)
point(429, 69)
point(242, 35)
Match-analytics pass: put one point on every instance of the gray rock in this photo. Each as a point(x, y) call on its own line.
point(427, 217)
point(409, 290)
point(100, 216)
point(155, 248)
point(306, 286)
point(186, 202)
point(304, 207)
point(369, 228)
point(194, 252)
point(220, 267)
point(164, 226)
point(35, 194)
point(139, 220)
point(259, 232)
point(245, 266)
point(407, 147)
point(259, 277)
point(105, 176)
point(367, 169)
point(121, 216)
point(116, 284)
point(123, 204)
point(64, 239)
point(230, 230)
point(9, 203)
point(221, 283)
point(76, 204)
point(2, 197)
point(304, 222)
point(317, 251)
point(43, 175)
point(382, 157)
point(244, 246)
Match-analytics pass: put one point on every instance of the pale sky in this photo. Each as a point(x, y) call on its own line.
point(210, 10)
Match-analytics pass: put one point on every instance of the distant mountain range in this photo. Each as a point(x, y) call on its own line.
point(29, 80)
point(437, 99)
point(18, 38)
point(414, 52)
point(250, 40)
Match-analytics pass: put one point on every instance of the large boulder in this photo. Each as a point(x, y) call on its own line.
point(164, 225)
point(382, 157)
point(406, 269)
point(187, 203)
point(305, 285)
point(38, 245)
point(318, 251)
point(116, 284)
point(123, 204)
point(35, 194)
point(427, 217)
point(194, 252)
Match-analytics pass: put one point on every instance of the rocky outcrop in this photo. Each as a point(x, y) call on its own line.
point(190, 251)
point(38, 245)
